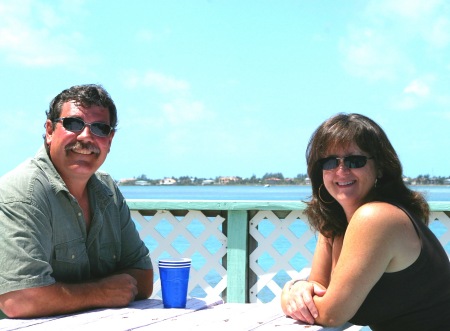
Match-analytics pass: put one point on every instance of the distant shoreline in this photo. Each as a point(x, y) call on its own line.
point(259, 185)
point(269, 179)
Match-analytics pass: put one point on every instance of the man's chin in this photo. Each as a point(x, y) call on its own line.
point(81, 167)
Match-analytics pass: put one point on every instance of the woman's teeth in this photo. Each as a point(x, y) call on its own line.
point(345, 183)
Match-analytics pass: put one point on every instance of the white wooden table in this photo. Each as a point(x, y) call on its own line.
point(200, 314)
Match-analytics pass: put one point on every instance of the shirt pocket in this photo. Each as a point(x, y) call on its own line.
point(109, 255)
point(71, 252)
point(71, 263)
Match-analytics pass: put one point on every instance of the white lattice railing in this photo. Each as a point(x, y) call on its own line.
point(244, 251)
point(284, 246)
point(193, 235)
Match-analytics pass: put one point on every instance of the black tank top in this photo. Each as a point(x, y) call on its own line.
point(416, 298)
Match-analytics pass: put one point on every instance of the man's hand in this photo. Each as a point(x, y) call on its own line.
point(117, 290)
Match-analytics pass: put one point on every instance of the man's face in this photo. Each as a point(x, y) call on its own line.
point(78, 155)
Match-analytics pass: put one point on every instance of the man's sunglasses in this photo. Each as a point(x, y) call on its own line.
point(351, 161)
point(76, 125)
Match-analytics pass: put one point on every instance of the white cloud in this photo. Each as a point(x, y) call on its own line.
point(131, 79)
point(417, 87)
point(162, 83)
point(165, 83)
point(417, 93)
point(379, 41)
point(181, 112)
point(439, 35)
point(406, 9)
point(371, 54)
point(176, 104)
point(29, 35)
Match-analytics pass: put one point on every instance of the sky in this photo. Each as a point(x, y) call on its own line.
point(230, 87)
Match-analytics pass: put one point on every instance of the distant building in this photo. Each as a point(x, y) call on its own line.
point(208, 182)
point(228, 180)
point(127, 181)
point(167, 181)
point(272, 180)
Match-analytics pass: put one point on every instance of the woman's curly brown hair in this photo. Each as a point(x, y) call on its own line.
point(324, 213)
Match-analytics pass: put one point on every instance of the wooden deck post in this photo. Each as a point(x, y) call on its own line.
point(237, 256)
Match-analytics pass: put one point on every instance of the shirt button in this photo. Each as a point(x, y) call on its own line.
point(73, 256)
point(114, 257)
point(79, 214)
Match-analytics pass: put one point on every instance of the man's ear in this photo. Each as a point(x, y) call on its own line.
point(111, 136)
point(48, 131)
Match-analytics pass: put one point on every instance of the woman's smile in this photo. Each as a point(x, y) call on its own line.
point(345, 184)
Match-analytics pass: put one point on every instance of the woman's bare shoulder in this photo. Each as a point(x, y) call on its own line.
point(388, 229)
point(379, 213)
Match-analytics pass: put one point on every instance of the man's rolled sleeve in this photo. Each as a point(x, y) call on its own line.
point(24, 254)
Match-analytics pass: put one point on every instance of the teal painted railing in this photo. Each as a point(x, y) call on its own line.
point(242, 250)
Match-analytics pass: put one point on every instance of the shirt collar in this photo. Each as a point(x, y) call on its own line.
point(95, 184)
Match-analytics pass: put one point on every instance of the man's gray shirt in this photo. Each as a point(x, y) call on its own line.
point(43, 237)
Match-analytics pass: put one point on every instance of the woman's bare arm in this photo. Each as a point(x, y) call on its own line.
point(297, 299)
point(380, 238)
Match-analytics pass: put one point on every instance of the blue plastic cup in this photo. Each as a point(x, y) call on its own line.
point(174, 285)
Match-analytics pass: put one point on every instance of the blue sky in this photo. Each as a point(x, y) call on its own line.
point(230, 87)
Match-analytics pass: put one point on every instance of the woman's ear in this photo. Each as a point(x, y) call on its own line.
point(379, 174)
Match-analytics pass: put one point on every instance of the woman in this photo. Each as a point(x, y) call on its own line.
point(376, 262)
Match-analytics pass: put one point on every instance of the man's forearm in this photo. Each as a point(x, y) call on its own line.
point(60, 298)
point(49, 300)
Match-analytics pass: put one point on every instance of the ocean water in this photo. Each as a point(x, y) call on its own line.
point(241, 192)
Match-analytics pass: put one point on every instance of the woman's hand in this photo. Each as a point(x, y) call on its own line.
point(297, 300)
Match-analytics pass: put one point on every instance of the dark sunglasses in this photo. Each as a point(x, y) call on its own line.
point(351, 161)
point(76, 125)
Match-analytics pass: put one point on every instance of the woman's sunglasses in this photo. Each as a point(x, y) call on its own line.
point(76, 125)
point(351, 161)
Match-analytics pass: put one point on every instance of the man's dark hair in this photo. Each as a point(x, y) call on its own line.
point(86, 96)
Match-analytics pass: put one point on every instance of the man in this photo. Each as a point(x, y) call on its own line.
point(67, 241)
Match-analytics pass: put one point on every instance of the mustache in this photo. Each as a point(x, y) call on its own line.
point(84, 148)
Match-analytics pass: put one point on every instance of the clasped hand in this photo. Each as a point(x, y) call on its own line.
point(118, 290)
point(297, 300)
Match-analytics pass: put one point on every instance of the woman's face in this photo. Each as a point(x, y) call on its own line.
point(350, 186)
